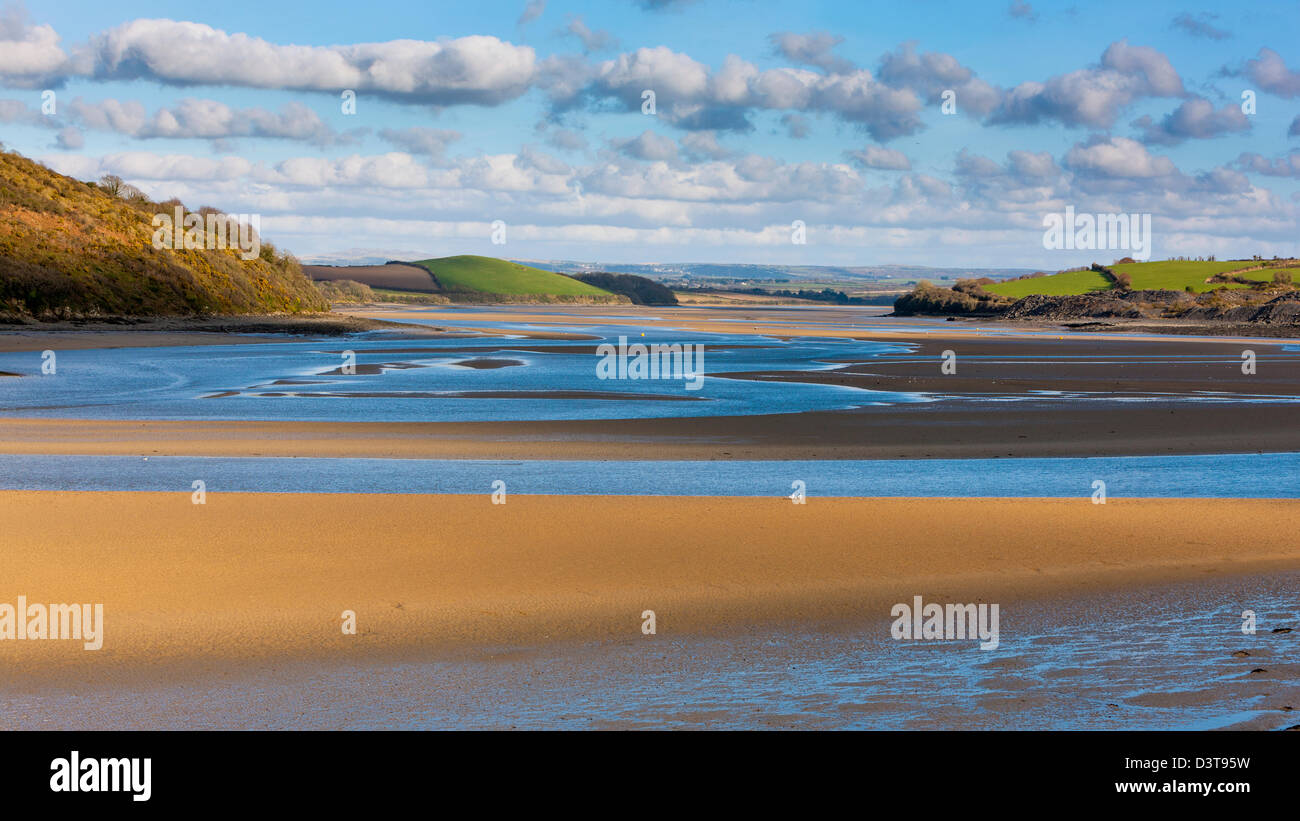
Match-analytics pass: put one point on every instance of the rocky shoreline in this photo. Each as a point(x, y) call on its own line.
point(1220, 312)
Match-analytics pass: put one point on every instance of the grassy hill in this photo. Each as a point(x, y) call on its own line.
point(1063, 284)
point(1169, 275)
point(489, 275)
point(1172, 275)
point(75, 249)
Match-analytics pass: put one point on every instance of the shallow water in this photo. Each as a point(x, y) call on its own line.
point(419, 379)
point(1194, 476)
point(1156, 658)
point(428, 379)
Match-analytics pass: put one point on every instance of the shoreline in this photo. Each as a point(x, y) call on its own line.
point(189, 587)
point(142, 332)
point(116, 332)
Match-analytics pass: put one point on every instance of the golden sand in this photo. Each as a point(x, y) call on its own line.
point(268, 576)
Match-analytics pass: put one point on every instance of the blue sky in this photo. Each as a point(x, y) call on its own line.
point(766, 113)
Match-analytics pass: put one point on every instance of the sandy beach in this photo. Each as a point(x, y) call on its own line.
point(252, 578)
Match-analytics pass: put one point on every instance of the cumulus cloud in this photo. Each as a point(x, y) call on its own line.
point(477, 69)
point(703, 145)
point(566, 139)
point(204, 119)
point(690, 95)
point(428, 142)
point(592, 41)
point(1117, 158)
point(976, 165)
point(933, 73)
point(19, 113)
point(1200, 26)
point(1094, 96)
point(1269, 71)
point(875, 156)
point(145, 165)
point(1031, 166)
point(1288, 166)
point(647, 146)
point(814, 49)
point(737, 202)
point(1194, 119)
point(30, 55)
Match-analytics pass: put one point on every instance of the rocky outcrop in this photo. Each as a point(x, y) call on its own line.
point(1233, 306)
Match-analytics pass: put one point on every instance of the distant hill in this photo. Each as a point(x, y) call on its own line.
point(489, 275)
point(392, 276)
point(746, 272)
point(640, 290)
point(75, 249)
point(465, 279)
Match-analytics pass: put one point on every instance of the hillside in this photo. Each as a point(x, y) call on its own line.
point(392, 276)
point(489, 275)
point(641, 290)
point(1163, 275)
point(72, 249)
point(1245, 294)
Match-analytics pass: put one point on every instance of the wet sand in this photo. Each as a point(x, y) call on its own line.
point(266, 577)
point(847, 323)
point(953, 430)
point(1017, 367)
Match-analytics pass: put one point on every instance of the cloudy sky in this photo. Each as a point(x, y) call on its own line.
point(927, 132)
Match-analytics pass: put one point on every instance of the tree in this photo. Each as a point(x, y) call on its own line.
point(112, 183)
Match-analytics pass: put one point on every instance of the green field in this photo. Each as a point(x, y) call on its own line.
point(1167, 275)
point(489, 275)
point(1176, 276)
point(1065, 284)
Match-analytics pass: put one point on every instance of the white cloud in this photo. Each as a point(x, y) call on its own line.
point(1117, 157)
point(1093, 96)
point(647, 146)
point(874, 156)
point(1288, 166)
point(1269, 71)
point(30, 55)
point(475, 69)
point(1193, 119)
point(933, 73)
point(813, 49)
point(430, 142)
point(592, 41)
point(193, 118)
